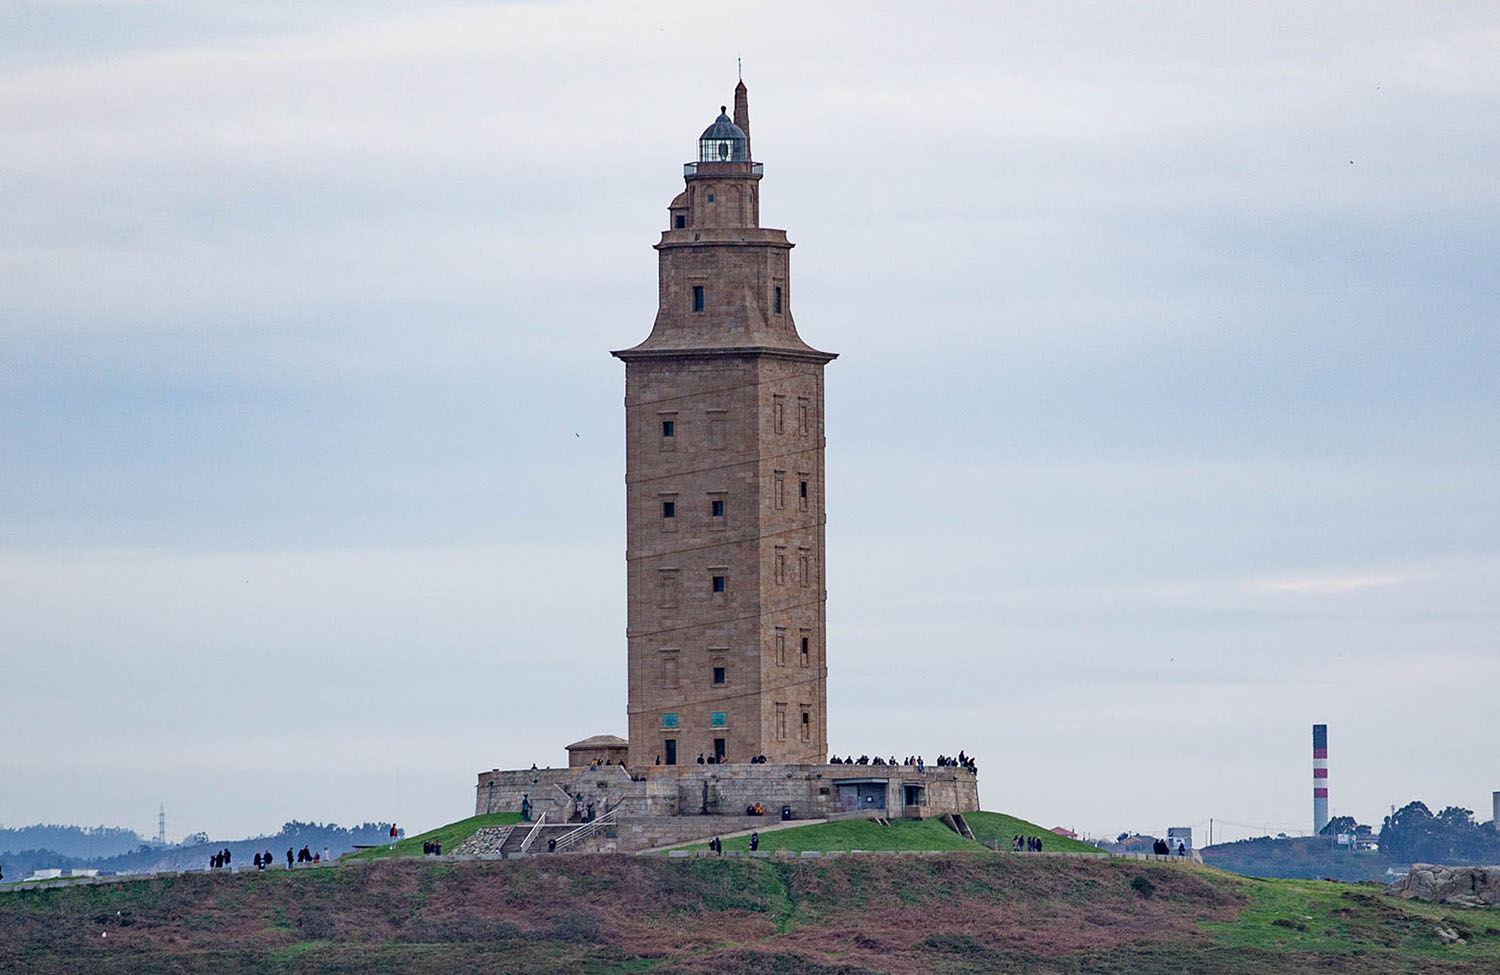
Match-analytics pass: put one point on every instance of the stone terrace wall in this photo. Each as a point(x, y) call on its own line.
point(719, 790)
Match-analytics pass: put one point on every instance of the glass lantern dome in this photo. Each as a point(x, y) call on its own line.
point(723, 141)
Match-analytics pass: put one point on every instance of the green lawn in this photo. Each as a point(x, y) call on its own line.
point(450, 836)
point(1339, 918)
point(902, 834)
point(855, 834)
point(998, 826)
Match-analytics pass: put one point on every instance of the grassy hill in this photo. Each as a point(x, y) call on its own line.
point(450, 836)
point(953, 913)
point(902, 834)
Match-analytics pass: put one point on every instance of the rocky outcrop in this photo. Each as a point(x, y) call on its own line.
point(484, 841)
point(1463, 886)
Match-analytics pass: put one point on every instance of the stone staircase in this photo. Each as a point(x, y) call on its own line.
point(579, 834)
point(515, 842)
point(955, 822)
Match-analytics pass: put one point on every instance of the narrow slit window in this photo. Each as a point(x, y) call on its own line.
point(697, 297)
point(776, 302)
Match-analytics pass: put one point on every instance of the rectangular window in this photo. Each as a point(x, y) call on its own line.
point(781, 646)
point(669, 431)
point(807, 726)
point(671, 750)
point(806, 650)
point(716, 508)
point(718, 675)
point(679, 221)
point(804, 416)
point(802, 490)
point(776, 302)
point(667, 589)
point(719, 750)
point(779, 492)
point(669, 428)
point(718, 584)
point(669, 719)
point(669, 509)
point(778, 411)
point(780, 566)
point(669, 670)
point(717, 424)
point(697, 297)
point(717, 720)
point(804, 569)
point(780, 721)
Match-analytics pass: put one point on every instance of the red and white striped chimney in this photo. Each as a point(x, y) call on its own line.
point(1320, 777)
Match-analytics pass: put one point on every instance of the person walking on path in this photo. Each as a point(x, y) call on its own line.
point(289, 856)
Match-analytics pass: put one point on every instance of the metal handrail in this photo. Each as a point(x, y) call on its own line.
point(584, 832)
point(531, 836)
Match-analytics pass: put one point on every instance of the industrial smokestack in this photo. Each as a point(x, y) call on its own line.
point(1320, 777)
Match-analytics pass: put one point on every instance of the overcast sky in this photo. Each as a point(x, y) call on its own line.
point(1166, 420)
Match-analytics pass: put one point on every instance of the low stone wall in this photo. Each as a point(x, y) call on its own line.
point(812, 791)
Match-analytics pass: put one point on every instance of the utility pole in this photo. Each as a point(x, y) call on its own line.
point(161, 825)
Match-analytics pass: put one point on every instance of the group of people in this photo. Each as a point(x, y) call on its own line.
point(1164, 849)
point(304, 855)
point(716, 845)
point(583, 812)
point(432, 848)
point(1025, 844)
point(962, 761)
point(943, 761)
point(224, 857)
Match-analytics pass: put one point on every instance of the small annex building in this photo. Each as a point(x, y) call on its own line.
point(598, 750)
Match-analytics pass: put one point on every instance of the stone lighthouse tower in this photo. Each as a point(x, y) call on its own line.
point(724, 484)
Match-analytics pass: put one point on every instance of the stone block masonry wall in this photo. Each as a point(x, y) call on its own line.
point(812, 791)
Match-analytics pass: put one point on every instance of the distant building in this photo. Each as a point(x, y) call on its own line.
point(1064, 831)
point(1182, 835)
